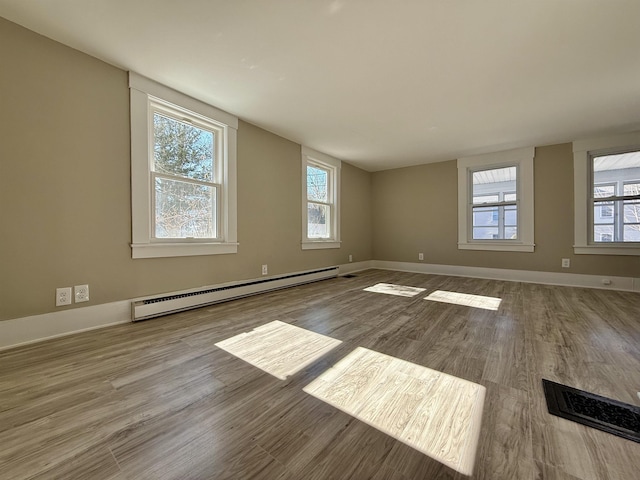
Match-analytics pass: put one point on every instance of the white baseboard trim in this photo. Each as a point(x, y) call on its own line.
point(628, 284)
point(354, 267)
point(36, 328)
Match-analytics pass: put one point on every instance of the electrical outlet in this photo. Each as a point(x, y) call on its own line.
point(421, 256)
point(566, 263)
point(350, 258)
point(63, 296)
point(265, 270)
point(81, 293)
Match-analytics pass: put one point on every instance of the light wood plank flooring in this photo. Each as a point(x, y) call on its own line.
point(158, 399)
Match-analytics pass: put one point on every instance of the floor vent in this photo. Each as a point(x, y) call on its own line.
point(592, 410)
point(146, 308)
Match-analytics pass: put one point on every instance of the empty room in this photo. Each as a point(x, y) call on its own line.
point(324, 239)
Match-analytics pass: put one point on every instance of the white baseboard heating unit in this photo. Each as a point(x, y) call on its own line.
point(165, 304)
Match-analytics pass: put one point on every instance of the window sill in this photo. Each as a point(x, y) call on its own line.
point(158, 250)
point(606, 250)
point(317, 245)
point(498, 247)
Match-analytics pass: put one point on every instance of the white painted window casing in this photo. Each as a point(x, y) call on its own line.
point(325, 234)
point(149, 97)
point(583, 153)
point(522, 160)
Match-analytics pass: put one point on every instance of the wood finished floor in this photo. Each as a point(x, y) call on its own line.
point(158, 399)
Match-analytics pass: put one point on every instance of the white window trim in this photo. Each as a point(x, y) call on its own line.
point(523, 159)
point(310, 156)
point(142, 90)
point(581, 185)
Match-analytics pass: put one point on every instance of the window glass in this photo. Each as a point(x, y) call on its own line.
point(495, 186)
point(317, 184)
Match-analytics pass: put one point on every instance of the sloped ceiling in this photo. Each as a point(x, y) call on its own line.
point(378, 83)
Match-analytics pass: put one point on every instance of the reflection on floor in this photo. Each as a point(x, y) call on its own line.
point(391, 289)
point(465, 299)
point(435, 413)
point(278, 348)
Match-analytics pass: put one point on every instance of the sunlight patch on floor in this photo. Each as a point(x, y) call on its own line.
point(278, 348)
point(435, 413)
point(465, 299)
point(391, 289)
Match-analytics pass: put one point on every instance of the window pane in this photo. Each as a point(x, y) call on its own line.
point(604, 191)
point(607, 168)
point(603, 212)
point(317, 184)
point(182, 149)
point(184, 210)
point(511, 233)
point(632, 211)
point(478, 199)
point(485, 233)
point(495, 181)
point(485, 216)
point(318, 221)
point(631, 233)
point(510, 197)
point(603, 233)
point(510, 216)
point(631, 189)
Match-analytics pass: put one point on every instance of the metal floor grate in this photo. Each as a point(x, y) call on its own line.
point(593, 410)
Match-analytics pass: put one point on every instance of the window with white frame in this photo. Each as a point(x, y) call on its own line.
point(495, 201)
point(320, 200)
point(607, 195)
point(183, 174)
point(615, 202)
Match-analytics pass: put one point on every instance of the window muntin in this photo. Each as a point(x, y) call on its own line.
point(615, 197)
point(320, 205)
point(494, 206)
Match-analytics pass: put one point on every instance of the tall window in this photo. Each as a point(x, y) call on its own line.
point(615, 202)
point(183, 174)
point(607, 195)
point(495, 201)
point(320, 206)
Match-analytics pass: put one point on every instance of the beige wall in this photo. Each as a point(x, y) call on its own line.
point(416, 211)
point(65, 215)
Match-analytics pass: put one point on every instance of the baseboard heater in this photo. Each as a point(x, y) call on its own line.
point(151, 307)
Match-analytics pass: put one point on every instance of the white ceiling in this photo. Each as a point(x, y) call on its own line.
point(378, 83)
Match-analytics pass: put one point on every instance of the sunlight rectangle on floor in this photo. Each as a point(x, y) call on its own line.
point(397, 290)
point(435, 413)
point(278, 348)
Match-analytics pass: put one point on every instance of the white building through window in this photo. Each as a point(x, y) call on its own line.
point(320, 200)
point(495, 201)
point(183, 169)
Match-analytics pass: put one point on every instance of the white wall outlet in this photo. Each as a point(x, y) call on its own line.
point(421, 256)
point(566, 263)
point(265, 270)
point(350, 258)
point(81, 293)
point(63, 296)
